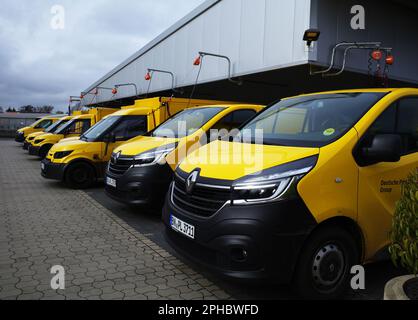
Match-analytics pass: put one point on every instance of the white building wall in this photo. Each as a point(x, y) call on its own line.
point(257, 35)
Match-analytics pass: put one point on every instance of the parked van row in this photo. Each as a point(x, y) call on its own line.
point(291, 193)
point(81, 162)
point(38, 126)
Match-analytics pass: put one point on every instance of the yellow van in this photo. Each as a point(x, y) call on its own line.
point(74, 128)
point(51, 129)
point(38, 126)
point(80, 162)
point(141, 170)
point(317, 200)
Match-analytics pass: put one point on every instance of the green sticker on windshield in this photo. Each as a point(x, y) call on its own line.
point(329, 132)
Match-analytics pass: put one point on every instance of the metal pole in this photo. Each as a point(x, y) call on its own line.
point(128, 84)
point(345, 58)
point(202, 54)
point(169, 73)
point(348, 44)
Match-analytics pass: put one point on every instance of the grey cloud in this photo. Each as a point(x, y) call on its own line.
point(39, 65)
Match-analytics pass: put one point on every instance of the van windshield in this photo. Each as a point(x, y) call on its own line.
point(55, 126)
point(186, 122)
point(63, 128)
point(311, 121)
point(100, 128)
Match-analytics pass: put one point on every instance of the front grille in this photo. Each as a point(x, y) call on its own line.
point(121, 165)
point(203, 201)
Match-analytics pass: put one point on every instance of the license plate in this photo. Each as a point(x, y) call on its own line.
point(111, 182)
point(182, 227)
point(42, 166)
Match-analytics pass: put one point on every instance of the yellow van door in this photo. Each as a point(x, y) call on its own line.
point(380, 184)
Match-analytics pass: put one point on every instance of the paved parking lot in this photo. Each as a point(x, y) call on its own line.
point(108, 251)
point(43, 224)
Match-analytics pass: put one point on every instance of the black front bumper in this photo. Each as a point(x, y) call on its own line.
point(143, 186)
point(20, 138)
point(52, 171)
point(34, 151)
point(257, 242)
point(26, 145)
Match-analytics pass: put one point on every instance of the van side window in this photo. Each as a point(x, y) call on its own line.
point(407, 124)
point(234, 120)
point(130, 127)
point(400, 118)
point(79, 127)
point(86, 126)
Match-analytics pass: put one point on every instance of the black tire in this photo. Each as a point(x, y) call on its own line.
point(43, 152)
point(325, 262)
point(79, 176)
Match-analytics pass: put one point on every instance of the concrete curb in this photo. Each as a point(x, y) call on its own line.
point(394, 289)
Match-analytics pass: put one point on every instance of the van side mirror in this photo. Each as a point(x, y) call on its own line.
point(384, 148)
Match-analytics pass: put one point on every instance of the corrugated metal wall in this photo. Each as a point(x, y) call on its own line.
point(257, 35)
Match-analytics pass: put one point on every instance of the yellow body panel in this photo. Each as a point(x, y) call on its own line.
point(157, 110)
point(324, 197)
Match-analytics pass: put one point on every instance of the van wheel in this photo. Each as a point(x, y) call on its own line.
point(43, 152)
point(323, 270)
point(79, 176)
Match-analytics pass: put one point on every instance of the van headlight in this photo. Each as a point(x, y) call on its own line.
point(272, 184)
point(62, 154)
point(155, 156)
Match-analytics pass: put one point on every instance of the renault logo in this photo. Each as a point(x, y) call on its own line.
point(115, 157)
point(191, 181)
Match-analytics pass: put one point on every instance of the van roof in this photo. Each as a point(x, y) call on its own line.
point(56, 116)
point(363, 90)
point(67, 117)
point(240, 105)
point(83, 116)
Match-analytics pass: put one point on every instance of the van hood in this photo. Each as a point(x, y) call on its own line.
point(143, 144)
point(50, 138)
point(34, 135)
point(70, 139)
point(231, 160)
point(44, 135)
point(70, 144)
point(24, 129)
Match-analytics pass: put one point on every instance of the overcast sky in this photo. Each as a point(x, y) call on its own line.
point(42, 65)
